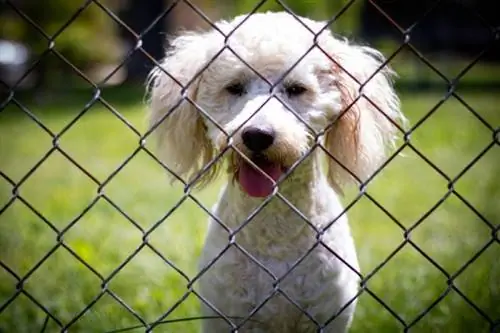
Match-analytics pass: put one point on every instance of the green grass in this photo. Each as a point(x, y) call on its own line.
point(104, 238)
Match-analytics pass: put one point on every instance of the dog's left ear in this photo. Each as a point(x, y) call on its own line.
point(369, 109)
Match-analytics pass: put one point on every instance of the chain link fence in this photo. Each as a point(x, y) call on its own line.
point(490, 320)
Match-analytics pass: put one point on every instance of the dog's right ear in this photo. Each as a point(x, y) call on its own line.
point(176, 123)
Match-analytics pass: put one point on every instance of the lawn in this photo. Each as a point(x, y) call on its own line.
point(57, 195)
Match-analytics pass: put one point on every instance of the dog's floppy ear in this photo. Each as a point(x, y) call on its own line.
point(177, 124)
point(369, 110)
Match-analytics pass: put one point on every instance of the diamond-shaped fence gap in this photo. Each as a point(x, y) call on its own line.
point(423, 187)
point(95, 235)
point(58, 190)
point(468, 136)
point(59, 275)
point(153, 195)
point(376, 234)
point(24, 238)
point(186, 225)
point(87, 141)
point(452, 314)
point(407, 271)
point(144, 285)
point(97, 317)
point(451, 234)
point(478, 282)
point(20, 151)
point(23, 307)
point(422, 106)
point(411, 69)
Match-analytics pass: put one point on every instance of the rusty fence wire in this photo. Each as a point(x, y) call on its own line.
point(406, 43)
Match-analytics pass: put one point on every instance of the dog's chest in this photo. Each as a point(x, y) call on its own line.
point(277, 290)
point(277, 270)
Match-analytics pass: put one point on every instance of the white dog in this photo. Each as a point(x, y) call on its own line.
point(272, 94)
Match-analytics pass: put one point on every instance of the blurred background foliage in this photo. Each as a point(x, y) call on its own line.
point(91, 36)
point(77, 41)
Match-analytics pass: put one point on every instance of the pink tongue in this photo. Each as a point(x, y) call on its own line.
point(254, 182)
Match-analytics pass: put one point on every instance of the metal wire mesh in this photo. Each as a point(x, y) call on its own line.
point(51, 41)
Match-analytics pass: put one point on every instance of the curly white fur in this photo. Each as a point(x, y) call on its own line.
point(196, 122)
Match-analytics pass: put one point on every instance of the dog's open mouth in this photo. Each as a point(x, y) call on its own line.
point(254, 182)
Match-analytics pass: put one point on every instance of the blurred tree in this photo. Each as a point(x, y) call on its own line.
point(85, 39)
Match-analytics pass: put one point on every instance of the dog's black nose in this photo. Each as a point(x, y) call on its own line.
point(257, 139)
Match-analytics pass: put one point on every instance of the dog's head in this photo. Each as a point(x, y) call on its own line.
point(271, 90)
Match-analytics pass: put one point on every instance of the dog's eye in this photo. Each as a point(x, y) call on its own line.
point(236, 89)
point(295, 90)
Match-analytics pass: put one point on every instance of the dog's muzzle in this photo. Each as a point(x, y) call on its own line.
point(258, 180)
